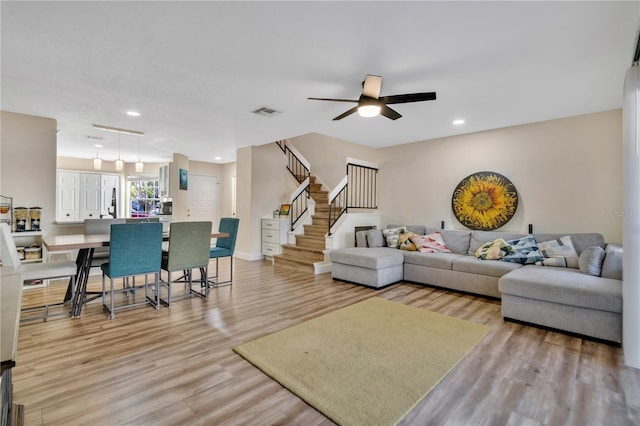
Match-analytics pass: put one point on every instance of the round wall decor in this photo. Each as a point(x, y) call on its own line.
point(484, 201)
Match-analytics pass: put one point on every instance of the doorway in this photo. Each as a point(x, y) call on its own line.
point(203, 201)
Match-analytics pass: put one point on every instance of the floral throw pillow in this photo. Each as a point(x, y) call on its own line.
point(392, 235)
point(430, 243)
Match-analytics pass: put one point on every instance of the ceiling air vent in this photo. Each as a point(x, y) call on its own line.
point(266, 112)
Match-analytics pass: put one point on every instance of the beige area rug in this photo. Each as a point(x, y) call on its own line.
point(367, 364)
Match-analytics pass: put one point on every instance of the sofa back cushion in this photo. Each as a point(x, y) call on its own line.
point(581, 241)
point(456, 240)
point(612, 264)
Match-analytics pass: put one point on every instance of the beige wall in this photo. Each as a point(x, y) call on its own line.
point(262, 185)
point(328, 156)
point(567, 173)
point(28, 163)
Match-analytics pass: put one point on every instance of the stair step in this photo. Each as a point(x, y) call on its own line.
point(310, 241)
point(281, 260)
point(315, 230)
point(303, 253)
point(321, 221)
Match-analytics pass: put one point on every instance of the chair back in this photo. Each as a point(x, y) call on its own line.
point(230, 226)
point(8, 251)
point(189, 244)
point(100, 226)
point(135, 248)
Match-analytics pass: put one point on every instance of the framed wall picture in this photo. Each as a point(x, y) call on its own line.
point(285, 209)
point(184, 179)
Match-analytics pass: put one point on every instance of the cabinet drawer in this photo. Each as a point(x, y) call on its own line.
point(269, 249)
point(270, 236)
point(270, 224)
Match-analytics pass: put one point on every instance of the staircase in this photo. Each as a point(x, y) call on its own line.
point(310, 245)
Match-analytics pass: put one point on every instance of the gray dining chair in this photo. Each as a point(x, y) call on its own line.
point(36, 271)
point(188, 249)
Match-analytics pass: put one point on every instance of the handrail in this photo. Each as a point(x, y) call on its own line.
point(298, 169)
point(357, 190)
point(299, 202)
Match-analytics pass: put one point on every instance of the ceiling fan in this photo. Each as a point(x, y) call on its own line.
point(371, 104)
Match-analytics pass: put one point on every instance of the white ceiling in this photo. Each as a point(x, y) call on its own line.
point(196, 70)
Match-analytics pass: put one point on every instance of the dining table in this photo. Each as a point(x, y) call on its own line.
point(86, 245)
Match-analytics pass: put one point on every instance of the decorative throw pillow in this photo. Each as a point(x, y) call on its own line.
point(493, 250)
point(590, 261)
point(405, 243)
point(392, 235)
point(525, 251)
point(559, 252)
point(375, 238)
point(430, 243)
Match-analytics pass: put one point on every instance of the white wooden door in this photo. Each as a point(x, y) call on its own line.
point(89, 196)
point(68, 197)
point(203, 199)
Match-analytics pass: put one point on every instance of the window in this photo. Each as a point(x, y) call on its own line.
point(143, 195)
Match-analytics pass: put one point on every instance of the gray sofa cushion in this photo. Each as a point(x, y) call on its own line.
point(581, 241)
point(457, 241)
point(361, 239)
point(478, 238)
point(590, 261)
point(433, 260)
point(371, 258)
point(375, 238)
point(612, 264)
point(561, 285)
point(493, 268)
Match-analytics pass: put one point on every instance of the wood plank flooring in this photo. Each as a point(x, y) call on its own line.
point(176, 367)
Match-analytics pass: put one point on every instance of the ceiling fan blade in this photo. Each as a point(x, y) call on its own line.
point(334, 100)
point(371, 86)
point(389, 113)
point(346, 114)
point(409, 97)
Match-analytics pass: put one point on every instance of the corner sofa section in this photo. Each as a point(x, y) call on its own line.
point(555, 297)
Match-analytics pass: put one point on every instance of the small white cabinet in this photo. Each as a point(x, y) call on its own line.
point(89, 196)
point(274, 234)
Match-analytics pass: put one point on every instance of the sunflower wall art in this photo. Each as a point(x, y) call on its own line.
point(484, 201)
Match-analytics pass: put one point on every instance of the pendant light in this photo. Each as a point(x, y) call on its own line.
point(119, 162)
point(97, 162)
point(139, 164)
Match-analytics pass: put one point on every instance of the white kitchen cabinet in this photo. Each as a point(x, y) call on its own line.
point(83, 196)
point(90, 196)
point(109, 188)
point(274, 234)
point(68, 197)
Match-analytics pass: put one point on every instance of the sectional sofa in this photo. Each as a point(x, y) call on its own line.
point(584, 298)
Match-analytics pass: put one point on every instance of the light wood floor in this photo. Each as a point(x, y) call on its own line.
point(176, 366)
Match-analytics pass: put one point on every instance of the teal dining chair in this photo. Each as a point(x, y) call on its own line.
point(188, 250)
point(134, 249)
point(224, 248)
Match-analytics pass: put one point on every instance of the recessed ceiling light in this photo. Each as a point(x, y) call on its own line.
point(98, 145)
point(133, 113)
point(217, 158)
point(458, 122)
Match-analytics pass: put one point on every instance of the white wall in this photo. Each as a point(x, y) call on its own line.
point(328, 155)
point(567, 173)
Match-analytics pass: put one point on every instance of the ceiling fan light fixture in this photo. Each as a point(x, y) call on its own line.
point(369, 110)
